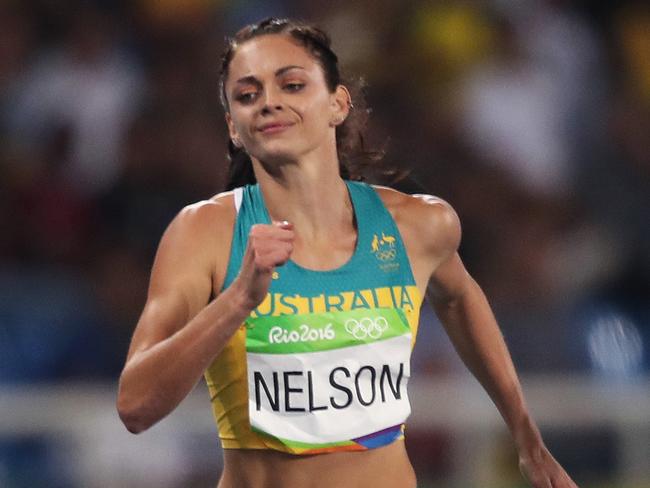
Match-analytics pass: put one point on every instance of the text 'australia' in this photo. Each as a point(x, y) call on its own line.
point(275, 304)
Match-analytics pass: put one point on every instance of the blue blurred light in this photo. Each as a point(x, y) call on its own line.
point(615, 345)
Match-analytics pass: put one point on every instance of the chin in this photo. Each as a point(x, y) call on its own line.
point(278, 154)
point(276, 158)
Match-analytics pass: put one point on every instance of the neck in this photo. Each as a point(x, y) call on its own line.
point(313, 197)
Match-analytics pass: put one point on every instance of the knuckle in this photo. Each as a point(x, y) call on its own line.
point(258, 230)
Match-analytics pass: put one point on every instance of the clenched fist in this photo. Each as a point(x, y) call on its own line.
point(268, 246)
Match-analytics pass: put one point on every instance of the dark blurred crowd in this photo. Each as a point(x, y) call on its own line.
point(532, 118)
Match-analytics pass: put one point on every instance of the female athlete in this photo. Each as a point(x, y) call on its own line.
point(298, 296)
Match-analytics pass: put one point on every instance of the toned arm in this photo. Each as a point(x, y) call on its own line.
point(432, 234)
point(177, 335)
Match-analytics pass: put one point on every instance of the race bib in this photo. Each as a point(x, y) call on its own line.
point(329, 380)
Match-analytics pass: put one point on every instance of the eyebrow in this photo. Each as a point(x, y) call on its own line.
point(252, 80)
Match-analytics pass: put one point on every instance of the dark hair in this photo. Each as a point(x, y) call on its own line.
point(354, 158)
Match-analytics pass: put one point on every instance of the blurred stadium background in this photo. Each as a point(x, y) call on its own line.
point(532, 117)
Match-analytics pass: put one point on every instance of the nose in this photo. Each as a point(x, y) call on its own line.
point(272, 101)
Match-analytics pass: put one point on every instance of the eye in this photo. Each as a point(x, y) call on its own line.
point(293, 86)
point(246, 97)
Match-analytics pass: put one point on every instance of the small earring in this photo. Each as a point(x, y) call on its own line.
point(350, 105)
point(236, 142)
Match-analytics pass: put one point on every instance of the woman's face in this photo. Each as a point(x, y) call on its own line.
point(280, 106)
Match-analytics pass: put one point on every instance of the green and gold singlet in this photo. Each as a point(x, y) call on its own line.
point(322, 364)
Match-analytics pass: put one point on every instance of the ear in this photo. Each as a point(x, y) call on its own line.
point(231, 126)
point(341, 104)
point(234, 136)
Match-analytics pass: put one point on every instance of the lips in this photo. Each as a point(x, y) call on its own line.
point(274, 127)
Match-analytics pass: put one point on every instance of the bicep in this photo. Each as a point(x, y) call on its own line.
point(449, 280)
point(180, 284)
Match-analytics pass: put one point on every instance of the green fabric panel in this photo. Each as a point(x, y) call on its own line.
point(289, 334)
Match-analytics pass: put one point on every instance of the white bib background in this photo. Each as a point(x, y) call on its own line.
point(374, 375)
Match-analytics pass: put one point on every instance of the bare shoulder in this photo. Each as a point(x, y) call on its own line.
point(424, 219)
point(216, 209)
point(206, 219)
point(198, 239)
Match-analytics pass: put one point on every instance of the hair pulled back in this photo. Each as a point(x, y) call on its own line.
point(354, 158)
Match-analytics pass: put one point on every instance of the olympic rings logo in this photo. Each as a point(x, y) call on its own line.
point(386, 254)
point(366, 327)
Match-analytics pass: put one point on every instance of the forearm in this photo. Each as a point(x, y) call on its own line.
point(156, 380)
point(473, 330)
